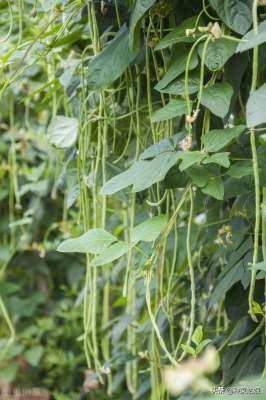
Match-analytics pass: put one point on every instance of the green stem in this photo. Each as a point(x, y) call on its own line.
point(255, 171)
point(249, 337)
point(263, 220)
point(191, 269)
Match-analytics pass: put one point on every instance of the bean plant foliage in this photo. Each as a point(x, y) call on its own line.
point(133, 196)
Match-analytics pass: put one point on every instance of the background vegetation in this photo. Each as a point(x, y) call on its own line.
point(132, 195)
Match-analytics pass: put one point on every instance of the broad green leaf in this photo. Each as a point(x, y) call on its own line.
point(262, 139)
point(234, 270)
point(218, 52)
point(261, 266)
point(257, 308)
point(149, 230)
point(217, 98)
point(63, 131)
point(156, 170)
point(68, 39)
point(256, 114)
point(189, 158)
point(178, 35)
point(197, 335)
point(34, 355)
point(228, 280)
point(95, 241)
point(237, 14)
point(67, 76)
point(48, 5)
point(113, 60)
point(218, 158)
point(215, 188)
point(40, 188)
point(188, 349)
point(175, 108)
point(110, 254)
point(142, 174)
point(240, 169)
point(123, 322)
point(8, 372)
point(199, 174)
point(141, 7)
point(177, 87)
point(176, 68)
point(218, 138)
point(175, 178)
point(202, 345)
point(73, 188)
point(251, 40)
point(168, 144)
point(234, 71)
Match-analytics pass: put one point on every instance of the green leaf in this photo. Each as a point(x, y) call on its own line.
point(237, 14)
point(200, 175)
point(218, 158)
point(94, 241)
point(141, 7)
point(215, 188)
point(73, 188)
point(178, 35)
point(67, 76)
point(34, 355)
point(226, 283)
point(188, 349)
point(262, 139)
point(240, 169)
point(67, 39)
point(9, 372)
point(149, 230)
point(256, 114)
point(63, 131)
point(177, 87)
point(218, 52)
point(251, 40)
point(142, 174)
point(175, 178)
point(116, 54)
point(165, 145)
point(176, 68)
point(218, 138)
point(261, 266)
point(189, 158)
point(257, 308)
point(202, 345)
point(110, 254)
point(217, 98)
point(175, 108)
point(233, 272)
point(197, 335)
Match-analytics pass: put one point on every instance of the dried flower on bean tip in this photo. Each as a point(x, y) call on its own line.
point(91, 381)
point(104, 8)
point(192, 118)
point(105, 369)
point(205, 29)
point(190, 373)
point(214, 29)
point(224, 236)
point(186, 143)
point(152, 42)
point(144, 354)
point(190, 32)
